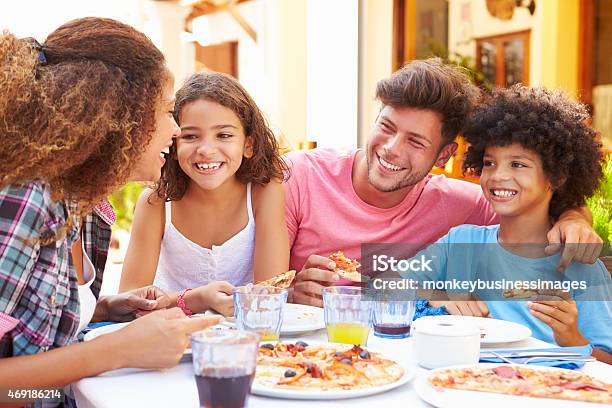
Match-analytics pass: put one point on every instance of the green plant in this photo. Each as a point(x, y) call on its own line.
point(124, 203)
point(600, 205)
point(467, 62)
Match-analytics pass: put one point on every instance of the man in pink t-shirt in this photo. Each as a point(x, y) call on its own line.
point(385, 194)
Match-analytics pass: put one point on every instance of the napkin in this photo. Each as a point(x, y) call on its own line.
point(584, 351)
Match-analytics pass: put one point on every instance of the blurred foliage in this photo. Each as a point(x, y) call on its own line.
point(467, 62)
point(600, 205)
point(124, 203)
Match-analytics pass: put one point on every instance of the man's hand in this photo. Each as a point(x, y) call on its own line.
point(128, 305)
point(582, 244)
point(309, 282)
point(463, 308)
point(558, 310)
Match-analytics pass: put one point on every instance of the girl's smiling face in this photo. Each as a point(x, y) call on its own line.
point(513, 180)
point(212, 143)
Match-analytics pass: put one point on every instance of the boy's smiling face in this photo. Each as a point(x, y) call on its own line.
point(513, 180)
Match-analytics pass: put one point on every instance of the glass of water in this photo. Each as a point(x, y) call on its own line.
point(260, 309)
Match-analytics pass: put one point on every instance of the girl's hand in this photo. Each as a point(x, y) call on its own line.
point(219, 296)
point(159, 339)
point(135, 303)
point(558, 310)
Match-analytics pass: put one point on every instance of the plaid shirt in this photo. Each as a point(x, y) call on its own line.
point(38, 286)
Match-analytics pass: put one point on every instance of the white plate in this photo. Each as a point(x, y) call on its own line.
point(110, 328)
point(447, 397)
point(297, 319)
point(495, 330)
point(100, 331)
point(258, 389)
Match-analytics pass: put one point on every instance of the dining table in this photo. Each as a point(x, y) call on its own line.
point(176, 387)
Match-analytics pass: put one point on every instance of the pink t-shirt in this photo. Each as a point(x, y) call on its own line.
point(324, 214)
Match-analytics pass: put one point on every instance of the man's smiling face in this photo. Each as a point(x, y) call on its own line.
point(403, 147)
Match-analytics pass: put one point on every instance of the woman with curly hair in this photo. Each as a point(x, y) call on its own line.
point(81, 114)
point(536, 157)
point(225, 172)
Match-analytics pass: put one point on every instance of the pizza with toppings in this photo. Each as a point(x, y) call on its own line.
point(525, 381)
point(346, 267)
point(282, 281)
point(323, 367)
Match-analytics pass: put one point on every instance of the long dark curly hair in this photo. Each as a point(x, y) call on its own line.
point(548, 123)
point(263, 166)
point(78, 110)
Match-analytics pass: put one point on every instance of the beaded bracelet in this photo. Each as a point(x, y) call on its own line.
point(180, 302)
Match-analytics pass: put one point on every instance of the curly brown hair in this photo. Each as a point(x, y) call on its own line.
point(78, 111)
point(263, 166)
point(432, 85)
point(551, 125)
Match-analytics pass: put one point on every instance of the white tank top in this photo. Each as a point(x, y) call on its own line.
point(185, 264)
point(87, 301)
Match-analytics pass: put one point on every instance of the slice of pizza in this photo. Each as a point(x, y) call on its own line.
point(519, 293)
point(282, 281)
point(346, 267)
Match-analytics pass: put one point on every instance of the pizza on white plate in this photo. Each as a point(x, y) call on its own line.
point(323, 367)
point(525, 381)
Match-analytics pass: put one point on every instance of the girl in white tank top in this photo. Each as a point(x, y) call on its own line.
point(216, 219)
point(185, 264)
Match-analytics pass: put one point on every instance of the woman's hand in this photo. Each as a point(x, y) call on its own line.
point(134, 303)
point(218, 296)
point(558, 310)
point(157, 340)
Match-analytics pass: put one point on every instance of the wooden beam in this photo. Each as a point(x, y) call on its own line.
point(203, 7)
point(233, 11)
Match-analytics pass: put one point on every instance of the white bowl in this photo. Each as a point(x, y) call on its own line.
point(440, 341)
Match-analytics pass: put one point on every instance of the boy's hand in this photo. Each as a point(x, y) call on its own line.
point(581, 242)
point(463, 308)
point(558, 310)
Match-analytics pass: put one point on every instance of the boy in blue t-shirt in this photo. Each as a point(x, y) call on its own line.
point(536, 157)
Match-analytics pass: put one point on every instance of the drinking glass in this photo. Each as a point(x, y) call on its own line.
point(393, 318)
point(224, 366)
point(260, 309)
point(347, 315)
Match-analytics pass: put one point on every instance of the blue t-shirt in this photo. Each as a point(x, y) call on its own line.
point(470, 253)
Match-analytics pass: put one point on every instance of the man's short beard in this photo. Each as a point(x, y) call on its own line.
point(409, 181)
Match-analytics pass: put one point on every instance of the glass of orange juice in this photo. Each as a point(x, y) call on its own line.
point(260, 309)
point(348, 316)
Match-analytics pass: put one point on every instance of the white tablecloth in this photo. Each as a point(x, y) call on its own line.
point(176, 387)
